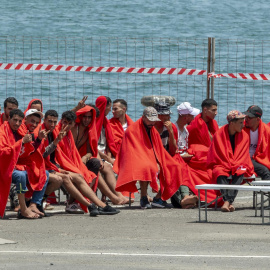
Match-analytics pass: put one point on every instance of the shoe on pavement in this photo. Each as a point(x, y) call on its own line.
point(108, 210)
point(92, 208)
point(159, 203)
point(74, 208)
point(145, 204)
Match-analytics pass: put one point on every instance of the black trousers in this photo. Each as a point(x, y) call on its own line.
point(229, 194)
point(261, 170)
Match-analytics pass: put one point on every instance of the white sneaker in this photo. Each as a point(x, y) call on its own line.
point(74, 208)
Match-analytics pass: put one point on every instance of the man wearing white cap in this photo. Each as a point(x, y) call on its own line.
point(186, 115)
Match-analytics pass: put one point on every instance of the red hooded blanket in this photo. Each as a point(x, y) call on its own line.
point(30, 104)
point(2, 119)
point(221, 158)
point(262, 153)
point(15, 156)
point(137, 160)
point(101, 103)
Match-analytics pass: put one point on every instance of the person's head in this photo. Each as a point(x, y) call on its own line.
point(209, 108)
point(119, 108)
point(68, 119)
point(163, 110)
point(96, 109)
point(86, 118)
point(10, 104)
point(236, 121)
point(253, 117)
point(50, 120)
point(15, 119)
point(108, 106)
point(37, 104)
point(187, 112)
point(150, 117)
point(32, 119)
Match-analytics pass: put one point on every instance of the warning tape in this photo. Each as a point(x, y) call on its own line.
point(168, 71)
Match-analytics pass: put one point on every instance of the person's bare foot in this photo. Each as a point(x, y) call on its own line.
point(231, 207)
point(34, 209)
point(150, 199)
point(188, 206)
point(120, 200)
point(17, 208)
point(28, 213)
point(225, 207)
point(189, 200)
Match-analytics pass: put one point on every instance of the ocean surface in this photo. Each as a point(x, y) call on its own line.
point(172, 34)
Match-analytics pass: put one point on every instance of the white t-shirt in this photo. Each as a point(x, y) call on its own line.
point(182, 141)
point(253, 142)
point(125, 126)
point(102, 141)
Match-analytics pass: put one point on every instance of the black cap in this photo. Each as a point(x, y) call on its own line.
point(254, 111)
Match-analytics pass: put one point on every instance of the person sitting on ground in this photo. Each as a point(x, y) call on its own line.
point(143, 158)
point(68, 159)
point(120, 121)
point(85, 136)
point(106, 143)
point(10, 104)
point(259, 140)
point(22, 164)
point(169, 135)
point(229, 155)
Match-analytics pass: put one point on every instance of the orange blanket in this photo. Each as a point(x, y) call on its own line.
point(92, 132)
point(137, 160)
point(68, 157)
point(221, 158)
point(101, 103)
point(14, 155)
point(262, 153)
point(2, 119)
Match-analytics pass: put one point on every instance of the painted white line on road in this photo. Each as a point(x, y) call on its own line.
point(133, 254)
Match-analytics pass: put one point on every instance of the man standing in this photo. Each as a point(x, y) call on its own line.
point(229, 155)
point(143, 158)
point(259, 139)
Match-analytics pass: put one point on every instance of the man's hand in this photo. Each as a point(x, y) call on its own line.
point(42, 134)
point(61, 135)
point(27, 138)
point(81, 103)
point(168, 125)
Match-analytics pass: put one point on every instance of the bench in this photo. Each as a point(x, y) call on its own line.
point(253, 188)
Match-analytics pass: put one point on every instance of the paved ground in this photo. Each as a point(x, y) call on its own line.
point(138, 239)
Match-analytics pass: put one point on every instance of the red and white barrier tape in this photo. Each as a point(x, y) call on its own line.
point(168, 71)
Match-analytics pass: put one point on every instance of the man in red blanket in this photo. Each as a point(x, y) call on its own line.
point(143, 158)
point(259, 141)
point(201, 131)
point(229, 155)
point(21, 164)
point(67, 158)
point(85, 137)
point(10, 104)
point(120, 121)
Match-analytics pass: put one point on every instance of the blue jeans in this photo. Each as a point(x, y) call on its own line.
point(20, 179)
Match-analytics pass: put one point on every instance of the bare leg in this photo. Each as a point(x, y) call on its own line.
point(144, 186)
point(55, 182)
point(26, 212)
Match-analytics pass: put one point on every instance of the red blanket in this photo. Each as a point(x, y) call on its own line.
point(92, 132)
point(262, 153)
point(2, 119)
point(118, 130)
point(30, 103)
point(137, 160)
point(221, 158)
point(14, 155)
point(198, 131)
point(101, 103)
point(68, 157)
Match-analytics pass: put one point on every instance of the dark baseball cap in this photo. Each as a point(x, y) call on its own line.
point(254, 111)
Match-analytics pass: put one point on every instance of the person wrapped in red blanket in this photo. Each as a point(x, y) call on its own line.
point(143, 158)
point(22, 164)
point(201, 131)
point(229, 155)
point(259, 141)
point(10, 104)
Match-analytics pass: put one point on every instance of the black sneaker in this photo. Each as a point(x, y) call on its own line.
point(41, 209)
point(108, 210)
point(92, 208)
point(145, 204)
point(175, 199)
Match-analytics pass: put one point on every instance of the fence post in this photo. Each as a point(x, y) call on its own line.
point(208, 68)
point(213, 60)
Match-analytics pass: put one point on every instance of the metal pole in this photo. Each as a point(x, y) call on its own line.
point(208, 68)
point(213, 67)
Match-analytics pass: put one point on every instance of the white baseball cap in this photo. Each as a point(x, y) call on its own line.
point(34, 111)
point(186, 108)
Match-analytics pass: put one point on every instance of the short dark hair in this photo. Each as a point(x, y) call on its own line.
point(11, 100)
point(209, 102)
point(121, 101)
point(16, 112)
point(51, 113)
point(36, 102)
point(96, 109)
point(108, 100)
point(70, 116)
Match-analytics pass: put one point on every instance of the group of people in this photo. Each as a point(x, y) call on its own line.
point(85, 152)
